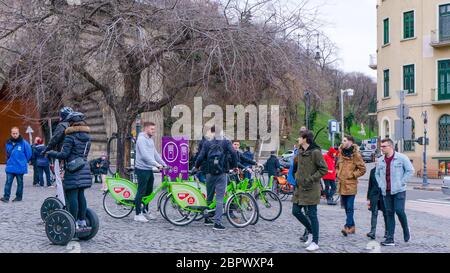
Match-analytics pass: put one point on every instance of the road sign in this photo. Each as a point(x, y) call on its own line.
point(420, 140)
point(405, 112)
point(403, 129)
point(333, 126)
point(30, 131)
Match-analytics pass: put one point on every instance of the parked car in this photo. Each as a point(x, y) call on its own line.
point(446, 185)
point(287, 154)
point(368, 155)
point(285, 162)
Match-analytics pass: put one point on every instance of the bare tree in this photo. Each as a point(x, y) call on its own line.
point(60, 51)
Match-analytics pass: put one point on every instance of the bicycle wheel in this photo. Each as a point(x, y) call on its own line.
point(116, 209)
point(160, 203)
point(241, 209)
point(175, 214)
point(269, 205)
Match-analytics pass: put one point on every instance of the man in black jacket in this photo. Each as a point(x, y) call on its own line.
point(272, 165)
point(57, 140)
point(375, 203)
point(242, 160)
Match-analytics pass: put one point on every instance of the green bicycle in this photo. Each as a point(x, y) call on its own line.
point(240, 207)
point(118, 200)
point(269, 204)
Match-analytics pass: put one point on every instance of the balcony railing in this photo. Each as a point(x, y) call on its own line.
point(437, 40)
point(373, 61)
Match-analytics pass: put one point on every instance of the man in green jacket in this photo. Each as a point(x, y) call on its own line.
point(309, 167)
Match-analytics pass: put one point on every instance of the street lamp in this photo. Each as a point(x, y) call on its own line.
point(425, 175)
point(349, 92)
point(307, 103)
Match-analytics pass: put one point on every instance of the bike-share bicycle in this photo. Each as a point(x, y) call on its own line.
point(269, 204)
point(241, 208)
point(59, 223)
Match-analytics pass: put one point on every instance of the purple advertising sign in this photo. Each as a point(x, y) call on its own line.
point(175, 152)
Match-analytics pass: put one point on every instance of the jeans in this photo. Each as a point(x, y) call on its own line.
point(216, 184)
point(35, 174)
point(330, 188)
point(8, 185)
point(145, 188)
point(201, 177)
point(41, 171)
point(395, 204)
point(76, 203)
point(349, 205)
point(374, 207)
point(311, 222)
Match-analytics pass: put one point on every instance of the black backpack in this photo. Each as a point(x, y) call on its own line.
point(216, 158)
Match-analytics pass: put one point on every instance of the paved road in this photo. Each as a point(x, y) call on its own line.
point(21, 230)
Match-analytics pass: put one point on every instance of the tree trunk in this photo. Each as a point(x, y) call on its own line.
point(123, 144)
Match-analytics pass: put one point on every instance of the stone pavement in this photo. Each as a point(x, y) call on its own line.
point(21, 230)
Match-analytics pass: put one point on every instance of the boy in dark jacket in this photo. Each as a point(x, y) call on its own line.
point(272, 165)
point(375, 202)
point(42, 163)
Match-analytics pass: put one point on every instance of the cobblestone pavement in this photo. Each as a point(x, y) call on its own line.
point(21, 230)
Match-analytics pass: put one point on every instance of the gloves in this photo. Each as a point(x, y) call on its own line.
point(52, 154)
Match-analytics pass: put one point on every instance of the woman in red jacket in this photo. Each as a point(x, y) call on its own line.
point(330, 177)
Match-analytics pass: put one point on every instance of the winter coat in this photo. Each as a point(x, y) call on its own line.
point(41, 160)
point(331, 163)
point(18, 153)
point(248, 155)
point(227, 149)
point(56, 142)
point(374, 192)
point(104, 165)
point(349, 169)
point(309, 167)
point(73, 147)
point(272, 165)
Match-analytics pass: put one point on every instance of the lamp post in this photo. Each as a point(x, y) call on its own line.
point(425, 174)
point(349, 92)
point(307, 103)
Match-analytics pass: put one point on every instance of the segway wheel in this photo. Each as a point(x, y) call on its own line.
point(60, 227)
point(92, 222)
point(50, 205)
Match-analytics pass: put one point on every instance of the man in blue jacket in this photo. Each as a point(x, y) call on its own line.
point(18, 154)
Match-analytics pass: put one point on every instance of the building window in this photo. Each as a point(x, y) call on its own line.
point(444, 22)
point(408, 78)
point(408, 24)
point(409, 145)
point(386, 129)
point(386, 31)
point(444, 133)
point(386, 83)
point(444, 80)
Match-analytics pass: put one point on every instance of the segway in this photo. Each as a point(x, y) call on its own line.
point(59, 223)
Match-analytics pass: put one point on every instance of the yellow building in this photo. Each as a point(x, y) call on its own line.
point(413, 54)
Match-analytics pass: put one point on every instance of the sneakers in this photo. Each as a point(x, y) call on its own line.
point(17, 199)
point(140, 218)
point(312, 247)
point(218, 227)
point(3, 199)
point(208, 222)
point(351, 230)
point(371, 235)
point(345, 231)
point(309, 240)
point(388, 242)
point(304, 237)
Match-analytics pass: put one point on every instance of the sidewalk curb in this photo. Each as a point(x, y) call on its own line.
point(427, 188)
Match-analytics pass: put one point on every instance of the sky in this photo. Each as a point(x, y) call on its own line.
point(351, 25)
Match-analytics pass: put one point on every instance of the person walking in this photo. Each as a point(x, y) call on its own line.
point(392, 174)
point(309, 167)
point(350, 166)
point(42, 163)
point(18, 154)
point(76, 144)
point(330, 178)
point(147, 158)
point(220, 157)
point(272, 165)
point(375, 203)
